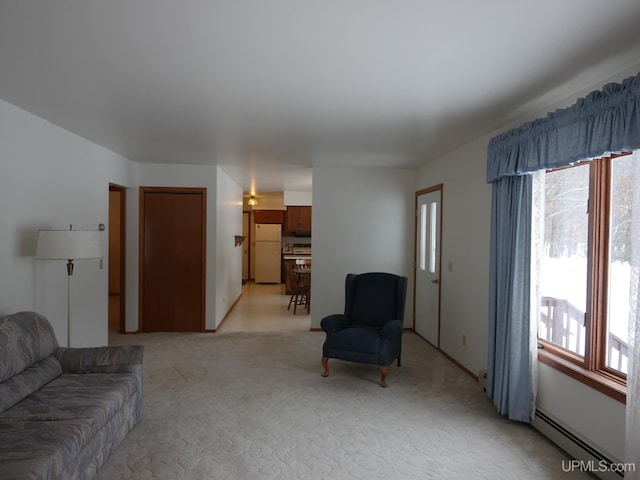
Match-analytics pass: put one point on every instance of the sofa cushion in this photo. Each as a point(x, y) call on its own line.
point(51, 427)
point(28, 381)
point(25, 339)
point(93, 396)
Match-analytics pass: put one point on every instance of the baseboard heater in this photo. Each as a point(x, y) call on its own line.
point(585, 457)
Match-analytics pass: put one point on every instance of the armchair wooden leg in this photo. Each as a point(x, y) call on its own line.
point(383, 372)
point(325, 364)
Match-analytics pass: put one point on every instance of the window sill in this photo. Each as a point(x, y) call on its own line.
point(595, 380)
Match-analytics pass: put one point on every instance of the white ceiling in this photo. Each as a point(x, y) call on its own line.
point(270, 88)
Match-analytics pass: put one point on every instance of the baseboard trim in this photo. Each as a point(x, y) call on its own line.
point(458, 364)
point(584, 456)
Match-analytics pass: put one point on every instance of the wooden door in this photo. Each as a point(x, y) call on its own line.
point(172, 236)
point(116, 258)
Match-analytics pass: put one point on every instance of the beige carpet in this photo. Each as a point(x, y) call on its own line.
point(254, 406)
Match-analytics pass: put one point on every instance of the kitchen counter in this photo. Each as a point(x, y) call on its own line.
point(292, 256)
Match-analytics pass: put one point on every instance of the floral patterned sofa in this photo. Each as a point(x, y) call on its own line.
point(63, 411)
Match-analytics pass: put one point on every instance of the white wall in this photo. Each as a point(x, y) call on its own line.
point(269, 201)
point(228, 261)
point(51, 178)
point(362, 222)
point(464, 306)
point(466, 221)
point(592, 415)
point(298, 198)
point(466, 230)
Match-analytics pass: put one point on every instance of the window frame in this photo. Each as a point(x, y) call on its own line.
point(592, 369)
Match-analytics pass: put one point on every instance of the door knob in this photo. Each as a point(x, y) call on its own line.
point(434, 281)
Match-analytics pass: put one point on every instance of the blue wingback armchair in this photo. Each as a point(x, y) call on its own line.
point(370, 330)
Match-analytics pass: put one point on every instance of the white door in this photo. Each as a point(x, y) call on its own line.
point(427, 276)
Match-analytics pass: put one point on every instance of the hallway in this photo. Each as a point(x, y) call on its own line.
point(263, 308)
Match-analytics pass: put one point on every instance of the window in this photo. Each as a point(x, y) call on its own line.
point(428, 231)
point(586, 267)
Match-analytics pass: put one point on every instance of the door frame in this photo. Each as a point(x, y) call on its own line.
point(434, 188)
point(246, 224)
point(178, 190)
point(122, 240)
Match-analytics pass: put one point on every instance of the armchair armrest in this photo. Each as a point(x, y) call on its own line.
point(334, 323)
point(120, 359)
point(392, 329)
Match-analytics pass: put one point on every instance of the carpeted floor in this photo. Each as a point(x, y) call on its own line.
point(255, 406)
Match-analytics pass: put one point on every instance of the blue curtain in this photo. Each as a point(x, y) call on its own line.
point(605, 121)
point(509, 372)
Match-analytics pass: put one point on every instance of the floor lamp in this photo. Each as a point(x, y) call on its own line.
point(68, 245)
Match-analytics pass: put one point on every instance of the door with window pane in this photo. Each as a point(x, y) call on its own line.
point(427, 267)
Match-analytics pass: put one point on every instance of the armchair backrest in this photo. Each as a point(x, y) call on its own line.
point(372, 299)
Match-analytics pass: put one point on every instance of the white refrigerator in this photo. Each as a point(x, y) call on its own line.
point(268, 253)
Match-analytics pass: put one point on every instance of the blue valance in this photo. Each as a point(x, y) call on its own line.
point(605, 121)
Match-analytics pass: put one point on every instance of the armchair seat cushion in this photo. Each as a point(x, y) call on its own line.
point(356, 339)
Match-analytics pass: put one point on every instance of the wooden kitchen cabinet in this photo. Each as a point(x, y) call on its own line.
point(298, 219)
point(268, 216)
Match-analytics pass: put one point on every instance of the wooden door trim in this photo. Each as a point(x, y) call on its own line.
point(123, 198)
point(434, 188)
point(178, 190)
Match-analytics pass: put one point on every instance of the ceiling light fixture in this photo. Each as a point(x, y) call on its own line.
point(252, 200)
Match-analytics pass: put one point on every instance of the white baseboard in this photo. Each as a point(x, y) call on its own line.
point(584, 457)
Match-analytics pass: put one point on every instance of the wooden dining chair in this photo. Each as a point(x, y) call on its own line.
point(300, 288)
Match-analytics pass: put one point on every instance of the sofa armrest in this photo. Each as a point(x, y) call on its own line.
point(392, 329)
point(334, 323)
point(120, 359)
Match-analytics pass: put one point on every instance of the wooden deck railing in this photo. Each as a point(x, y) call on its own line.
point(621, 348)
point(563, 324)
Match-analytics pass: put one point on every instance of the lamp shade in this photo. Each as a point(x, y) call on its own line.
point(68, 244)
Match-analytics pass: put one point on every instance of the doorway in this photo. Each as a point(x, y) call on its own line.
point(246, 223)
point(172, 256)
point(116, 258)
point(428, 237)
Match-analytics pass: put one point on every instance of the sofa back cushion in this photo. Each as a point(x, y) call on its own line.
point(26, 338)
point(23, 384)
